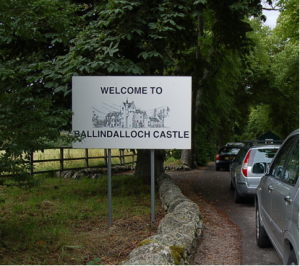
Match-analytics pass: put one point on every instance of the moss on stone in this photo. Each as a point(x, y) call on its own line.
point(146, 242)
point(177, 253)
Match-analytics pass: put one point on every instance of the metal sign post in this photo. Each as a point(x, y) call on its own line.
point(109, 188)
point(152, 188)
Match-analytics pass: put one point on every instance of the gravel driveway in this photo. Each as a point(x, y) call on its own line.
point(229, 228)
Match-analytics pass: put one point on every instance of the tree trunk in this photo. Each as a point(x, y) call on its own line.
point(143, 164)
point(188, 157)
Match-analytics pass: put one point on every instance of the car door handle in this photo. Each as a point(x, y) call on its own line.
point(270, 188)
point(288, 199)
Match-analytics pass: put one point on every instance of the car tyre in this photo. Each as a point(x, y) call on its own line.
point(292, 260)
point(262, 239)
point(237, 197)
point(217, 168)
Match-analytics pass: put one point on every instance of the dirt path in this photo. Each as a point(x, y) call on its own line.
point(221, 243)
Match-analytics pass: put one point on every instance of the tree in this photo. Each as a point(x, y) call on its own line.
point(273, 74)
point(288, 21)
point(258, 122)
point(129, 38)
point(32, 33)
point(118, 37)
point(222, 43)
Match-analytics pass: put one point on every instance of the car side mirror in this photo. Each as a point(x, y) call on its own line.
point(259, 168)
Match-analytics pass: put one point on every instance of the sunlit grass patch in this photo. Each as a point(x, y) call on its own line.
point(69, 153)
point(172, 161)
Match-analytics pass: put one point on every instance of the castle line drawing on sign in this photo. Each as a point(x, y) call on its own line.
point(129, 116)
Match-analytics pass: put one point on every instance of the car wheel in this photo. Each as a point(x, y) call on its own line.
point(292, 260)
point(217, 168)
point(237, 197)
point(262, 239)
point(231, 185)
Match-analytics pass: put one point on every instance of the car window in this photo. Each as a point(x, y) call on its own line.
point(265, 155)
point(292, 169)
point(232, 151)
point(242, 155)
point(279, 161)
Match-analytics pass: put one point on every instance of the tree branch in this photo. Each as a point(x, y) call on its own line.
point(270, 8)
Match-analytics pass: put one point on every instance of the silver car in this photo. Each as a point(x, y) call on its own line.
point(277, 203)
point(248, 168)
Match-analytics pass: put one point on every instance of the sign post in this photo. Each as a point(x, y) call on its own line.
point(137, 112)
point(152, 187)
point(109, 188)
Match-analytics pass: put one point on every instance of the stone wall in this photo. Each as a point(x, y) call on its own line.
point(178, 232)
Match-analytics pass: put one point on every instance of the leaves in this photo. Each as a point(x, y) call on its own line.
point(44, 43)
point(29, 117)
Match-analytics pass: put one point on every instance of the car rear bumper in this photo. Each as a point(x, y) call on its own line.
point(223, 164)
point(246, 191)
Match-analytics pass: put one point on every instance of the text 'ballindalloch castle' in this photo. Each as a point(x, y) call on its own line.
point(131, 117)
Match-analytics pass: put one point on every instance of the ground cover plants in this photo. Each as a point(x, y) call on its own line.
point(65, 221)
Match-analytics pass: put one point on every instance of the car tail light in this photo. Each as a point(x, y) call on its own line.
point(218, 157)
point(245, 164)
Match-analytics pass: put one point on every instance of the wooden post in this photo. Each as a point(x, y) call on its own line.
point(31, 162)
point(105, 155)
point(61, 160)
point(122, 156)
point(87, 158)
point(133, 153)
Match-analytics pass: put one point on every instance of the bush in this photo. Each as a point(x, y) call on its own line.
point(176, 154)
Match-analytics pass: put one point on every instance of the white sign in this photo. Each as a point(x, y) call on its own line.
point(136, 112)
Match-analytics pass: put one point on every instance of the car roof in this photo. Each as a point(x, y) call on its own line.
point(234, 147)
point(270, 146)
point(261, 146)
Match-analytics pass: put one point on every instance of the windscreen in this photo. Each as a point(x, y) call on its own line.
point(229, 151)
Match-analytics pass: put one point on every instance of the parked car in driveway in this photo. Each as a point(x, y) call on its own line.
point(277, 203)
point(225, 157)
point(248, 168)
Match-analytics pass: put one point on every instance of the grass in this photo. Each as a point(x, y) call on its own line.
point(65, 221)
point(172, 161)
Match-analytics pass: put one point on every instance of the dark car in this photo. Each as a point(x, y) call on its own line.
point(225, 157)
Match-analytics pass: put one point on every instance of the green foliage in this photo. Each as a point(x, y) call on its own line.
point(288, 21)
point(126, 38)
point(234, 62)
point(273, 75)
point(32, 34)
point(258, 122)
point(206, 150)
point(176, 154)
